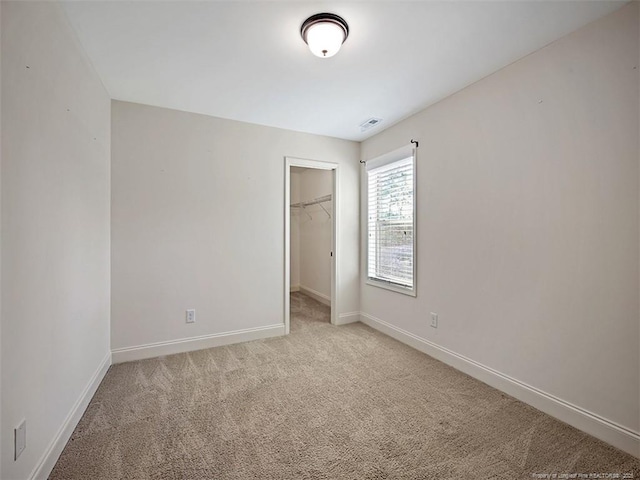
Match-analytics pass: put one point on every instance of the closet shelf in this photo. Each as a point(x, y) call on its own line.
point(326, 198)
point(317, 201)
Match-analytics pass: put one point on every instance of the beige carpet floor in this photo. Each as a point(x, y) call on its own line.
point(322, 403)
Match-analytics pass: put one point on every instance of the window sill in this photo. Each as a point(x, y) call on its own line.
point(390, 286)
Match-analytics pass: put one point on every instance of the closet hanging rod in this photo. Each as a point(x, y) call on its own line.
point(326, 198)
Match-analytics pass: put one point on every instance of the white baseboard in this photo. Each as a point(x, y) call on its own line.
point(321, 297)
point(294, 288)
point(349, 317)
point(170, 347)
point(52, 453)
point(606, 430)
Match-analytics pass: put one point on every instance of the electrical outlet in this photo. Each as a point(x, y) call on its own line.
point(20, 439)
point(191, 316)
point(434, 320)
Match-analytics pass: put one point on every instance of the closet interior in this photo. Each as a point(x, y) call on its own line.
point(311, 241)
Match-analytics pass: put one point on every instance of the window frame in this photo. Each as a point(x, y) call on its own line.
point(383, 160)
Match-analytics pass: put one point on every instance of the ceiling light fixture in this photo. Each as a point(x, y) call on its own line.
point(324, 33)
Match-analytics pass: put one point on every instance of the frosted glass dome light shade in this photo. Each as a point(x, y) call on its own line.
point(324, 33)
point(324, 39)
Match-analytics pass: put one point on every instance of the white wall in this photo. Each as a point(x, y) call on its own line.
point(55, 230)
point(315, 233)
point(527, 218)
point(198, 222)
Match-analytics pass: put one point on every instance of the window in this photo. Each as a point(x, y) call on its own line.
point(391, 221)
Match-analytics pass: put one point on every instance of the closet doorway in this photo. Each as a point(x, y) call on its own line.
point(311, 232)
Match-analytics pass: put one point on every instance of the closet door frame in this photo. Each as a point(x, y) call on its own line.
point(335, 273)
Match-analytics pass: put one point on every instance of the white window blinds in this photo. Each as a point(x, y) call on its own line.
point(391, 221)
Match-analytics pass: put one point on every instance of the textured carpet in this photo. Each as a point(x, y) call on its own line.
point(324, 402)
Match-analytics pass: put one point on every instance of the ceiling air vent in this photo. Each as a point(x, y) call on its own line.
point(372, 122)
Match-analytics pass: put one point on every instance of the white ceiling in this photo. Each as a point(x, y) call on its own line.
point(245, 60)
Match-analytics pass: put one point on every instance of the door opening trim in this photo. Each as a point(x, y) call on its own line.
point(335, 277)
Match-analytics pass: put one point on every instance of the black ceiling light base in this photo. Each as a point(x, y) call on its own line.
point(323, 17)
